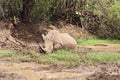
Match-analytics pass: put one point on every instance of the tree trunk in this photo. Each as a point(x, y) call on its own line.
point(27, 7)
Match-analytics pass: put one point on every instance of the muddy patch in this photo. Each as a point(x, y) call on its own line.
point(107, 72)
point(33, 71)
point(10, 76)
point(104, 48)
point(104, 76)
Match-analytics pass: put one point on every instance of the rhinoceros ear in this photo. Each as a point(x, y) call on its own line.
point(43, 36)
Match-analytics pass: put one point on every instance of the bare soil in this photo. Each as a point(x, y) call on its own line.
point(33, 71)
point(103, 76)
point(104, 48)
point(4, 75)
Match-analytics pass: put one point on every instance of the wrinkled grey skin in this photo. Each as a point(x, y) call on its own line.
point(55, 40)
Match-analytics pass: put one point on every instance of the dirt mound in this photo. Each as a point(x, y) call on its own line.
point(10, 76)
point(103, 76)
point(19, 37)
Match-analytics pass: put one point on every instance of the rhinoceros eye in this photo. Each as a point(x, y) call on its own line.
point(43, 46)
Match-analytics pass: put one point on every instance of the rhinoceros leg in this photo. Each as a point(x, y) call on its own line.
point(57, 46)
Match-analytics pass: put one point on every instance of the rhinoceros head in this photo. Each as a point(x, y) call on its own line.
point(48, 43)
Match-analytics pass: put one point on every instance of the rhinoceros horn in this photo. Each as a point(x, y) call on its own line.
point(42, 49)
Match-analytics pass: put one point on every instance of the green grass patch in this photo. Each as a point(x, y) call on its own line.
point(6, 53)
point(93, 58)
point(97, 41)
point(62, 57)
point(22, 58)
point(27, 56)
point(14, 56)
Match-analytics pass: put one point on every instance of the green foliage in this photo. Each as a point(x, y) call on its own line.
point(41, 8)
point(107, 10)
point(114, 14)
point(17, 7)
point(102, 57)
point(10, 8)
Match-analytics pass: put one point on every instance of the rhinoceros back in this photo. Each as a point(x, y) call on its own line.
point(68, 41)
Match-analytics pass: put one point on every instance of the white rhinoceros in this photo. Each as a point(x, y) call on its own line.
point(55, 40)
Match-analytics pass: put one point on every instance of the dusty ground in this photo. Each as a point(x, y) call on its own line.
point(33, 71)
point(4, 75)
